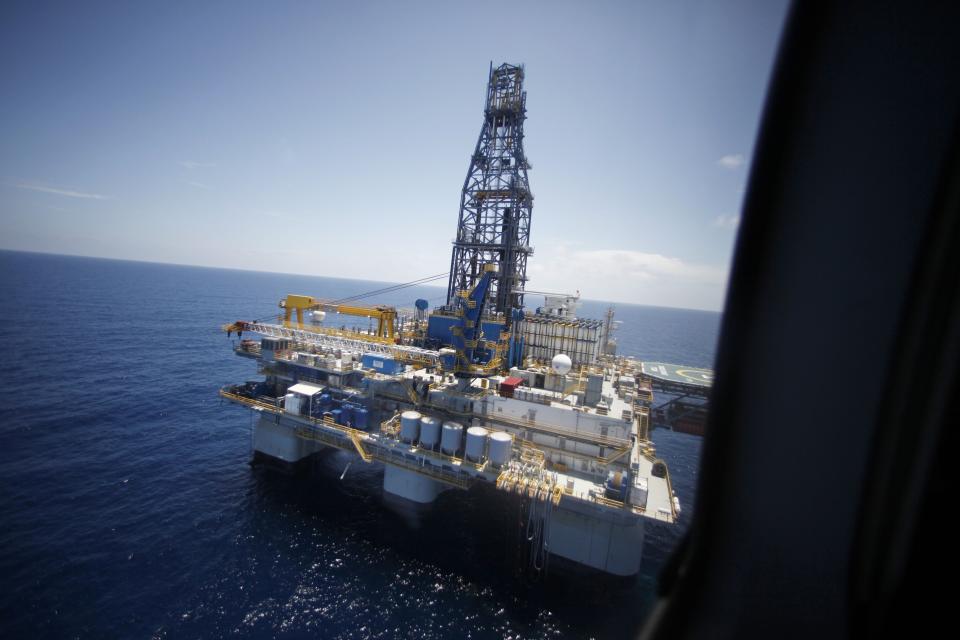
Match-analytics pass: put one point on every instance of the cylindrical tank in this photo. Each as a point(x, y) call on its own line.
point(500, 445)
point(346, 414)
point(337, 416)
point(325, 401)
point(476, 443)
point(561, 364)
point(450, 439)
point(409, 426)
point(361, 418)
point(429, 432)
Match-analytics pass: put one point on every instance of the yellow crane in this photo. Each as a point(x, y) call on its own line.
point(385, 316)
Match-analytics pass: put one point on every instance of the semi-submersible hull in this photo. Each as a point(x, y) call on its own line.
point(588, 474)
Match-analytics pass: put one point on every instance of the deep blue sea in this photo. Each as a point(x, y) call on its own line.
point(128, 508)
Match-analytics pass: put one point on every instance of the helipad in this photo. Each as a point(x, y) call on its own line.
point(678, 374)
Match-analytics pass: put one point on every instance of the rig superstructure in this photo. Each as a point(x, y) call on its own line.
point(496, 204)
point(480, 390)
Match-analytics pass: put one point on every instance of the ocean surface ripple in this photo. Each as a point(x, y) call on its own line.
point(128, 507)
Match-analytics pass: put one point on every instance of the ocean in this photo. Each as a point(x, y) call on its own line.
point(128, 508)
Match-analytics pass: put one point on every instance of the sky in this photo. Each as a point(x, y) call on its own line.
point(333, 138)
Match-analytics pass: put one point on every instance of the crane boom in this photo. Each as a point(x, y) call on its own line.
point(386, 316)
point(339, 340)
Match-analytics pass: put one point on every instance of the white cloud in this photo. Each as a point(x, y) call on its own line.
point(198, 184)
point(621, 275)
point(70, 193)
point(190, 164)
point(727, 222)
point(732, 161)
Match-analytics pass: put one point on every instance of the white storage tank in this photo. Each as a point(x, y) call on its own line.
point(450, 440)
point(429, 432)
point(291, 403)
point(476, 443)
point(500, 445)
point(409, 426)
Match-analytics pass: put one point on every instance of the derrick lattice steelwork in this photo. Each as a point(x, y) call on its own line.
point(496, 203)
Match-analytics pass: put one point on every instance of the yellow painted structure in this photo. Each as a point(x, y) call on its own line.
point(385, 316)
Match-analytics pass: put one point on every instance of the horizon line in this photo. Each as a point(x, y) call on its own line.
point(307, 275)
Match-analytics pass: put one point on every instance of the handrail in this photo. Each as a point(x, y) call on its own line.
point(435, 473)
point(587, 438)
point(355, 437)
point(250, 402)
point(366, 457)
point(510, 479)
point(617, 453)
point(670, 495)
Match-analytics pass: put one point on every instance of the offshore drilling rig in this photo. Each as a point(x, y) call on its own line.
point(480, 390)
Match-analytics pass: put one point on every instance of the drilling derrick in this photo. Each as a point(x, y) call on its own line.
point(496, 203)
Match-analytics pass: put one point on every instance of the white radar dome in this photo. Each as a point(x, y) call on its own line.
point(561, 364)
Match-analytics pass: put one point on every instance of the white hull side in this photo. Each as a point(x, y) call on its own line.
point(410, 485)
point(613, 545)
point(280, 441)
